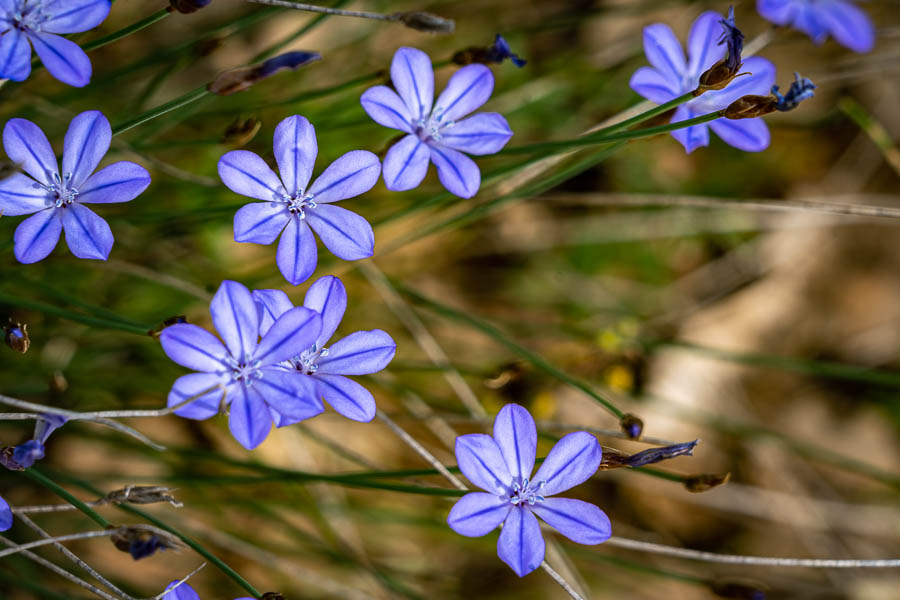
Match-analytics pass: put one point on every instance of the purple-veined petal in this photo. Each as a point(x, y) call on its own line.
point(759, 82)
point(297, 254)
point(85, 145)
point(346, 234)
point(466, 92)
point(352, 174)
point(405, 164)
point(271, 304)
point(521, 545)
point(484, 133)
point(516, 435)
point(386, 108)
point(703, 43)
point(347, 397)
point(245, 173)
point(290, 334)
point(807, 19)
point(690, 137)
point(26, 145)
point(413, 79)
point(481, 461)
point(119, 182)
point(21, 195)
point(292, 395)
point(63, 58)
point(360, 353)
point(73, 16)
point(328, 297)
point(780, 12)
point(260, 222)
point(182, 592)
point(15, 55)
point(295, 150)
point(652, 85)
point(37, 236)
point(571, 461)
point(209, 388)
point(749, 135)
point(194, 348)
point(87, 234)
point(478, 514)
point(579, 521)
point(849, 24)
point(248, 416)
point(235, 318)
point(6, 516)
point(458, 172)
point(664, 51)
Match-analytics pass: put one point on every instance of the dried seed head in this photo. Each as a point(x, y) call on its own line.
point(738, 589)
point(705, 482)
point(239, 79)
point(423, 21)
point(142, 494)
point(187, 6)
point(748, 107)
point(142, 541)
point(16, 337)
point(167, 323)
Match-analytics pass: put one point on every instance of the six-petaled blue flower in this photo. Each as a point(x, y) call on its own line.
point(244, 373)
point(360, 353)
point(42, 23)
point(57, 200)
point(436, 134)
point(842, 19)
point(502, 466)
point(290, 208)
point(672, 76)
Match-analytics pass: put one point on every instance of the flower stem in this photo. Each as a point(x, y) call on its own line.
point(126, 31)
point(57, 489)
point(151, 114)
point(644, 116)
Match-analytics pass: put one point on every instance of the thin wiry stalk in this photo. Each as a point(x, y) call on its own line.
point(61, 572)
point(767, 561)
point(85, 535)
point(179, 582)
point(74, 558)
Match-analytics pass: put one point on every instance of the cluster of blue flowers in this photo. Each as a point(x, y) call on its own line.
point(272, 363)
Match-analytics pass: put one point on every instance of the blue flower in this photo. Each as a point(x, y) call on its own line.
point(801, 89)
point(672, 76)
point(502, 466)
point(186, 592)
point(436, 135)
point(6, 516)
point(501, 51)
point(57, 201)
point(360, 353)
point(42, 24)
point(290, 208)
point(244, 373)
point(848, 23)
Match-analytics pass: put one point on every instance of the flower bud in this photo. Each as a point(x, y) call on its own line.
point(142, 494)
point(497, 53)
point(141, 542)
point(154, 333)
point(242, 78)
point(187, 6)
point(724, 71)
point(632, 426)
point(738, 589)
point(705, 482)
point(16, 337)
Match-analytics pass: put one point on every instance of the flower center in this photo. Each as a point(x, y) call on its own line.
point(28, 16)
point(298, 202)
point(245, 372)
point(62, 193)
point(526, 492)
point(306, 362)
point(429, 130)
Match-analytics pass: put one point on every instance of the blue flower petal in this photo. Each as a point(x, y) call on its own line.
point(235, 318)
point(260, 222)
point(703, 45)
point(63, 58)
point(87, 234)
point(293, 396)
point(182, 592)
point(406, 164)
point(347, 397)
point(652, 85)
point(37, 236)
point(245, 173)
point(521, 545)
point(86, 143)
point(386, 108)
point(208, 397)
point(664, 52)
point(579, 521)
point(481, 461)
point(119, 182)
point(291, 334)
point(573, 460)
point(248, 418)
point(295, 150)
point(74, 16)
point(21, 195)
point(6, 516)
point(328, 297)
point(749, 135)
point(15, 55)
point(346, 234)
point(194, 348)
point(468, 89)
point(297, 254)
point(690, 137)
point(271, 304)
point(484, 133)
point(459, 173)
point(516, 435)
point(360, 353)
point(26, 145)
point(849, 25)
point(413, 79)
point(478, 513)
point(350, 175)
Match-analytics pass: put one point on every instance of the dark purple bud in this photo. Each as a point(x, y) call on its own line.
point(272, 596)
point(800, 90)
point(497, 53)
point(47, 424)
point(654, 455)
point(724, 71)
point(705, 482)
point(241, 131)
point(26, 454)
point(738, 590)
point(423, 21)
point(141, 543)
point(187, 6)
point(16, 336)
point(238, 80)
point(167, 323)
point(632, 426)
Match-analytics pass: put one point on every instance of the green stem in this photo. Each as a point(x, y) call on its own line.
point(535, 359)
point(184, 100)
point(42, 479)
point(126, 31)
point(644, 116)
point(71, 316)
point(590, 140)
